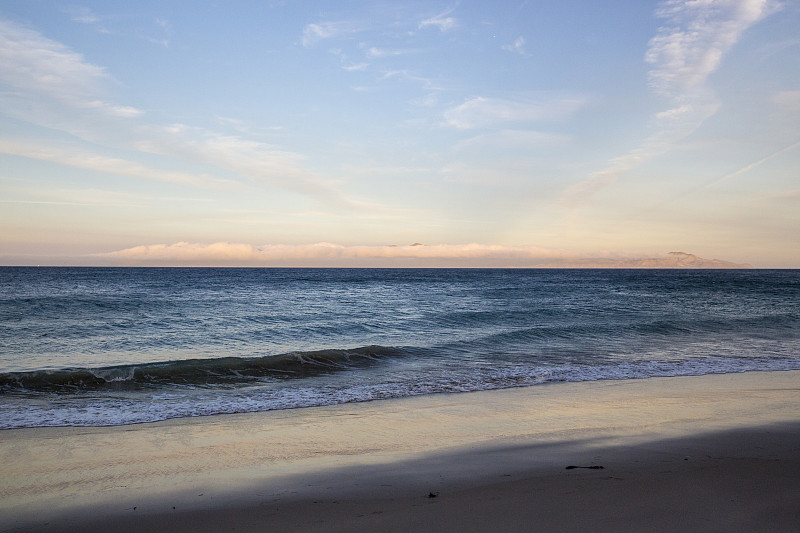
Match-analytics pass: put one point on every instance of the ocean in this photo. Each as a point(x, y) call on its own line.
point(112, 346)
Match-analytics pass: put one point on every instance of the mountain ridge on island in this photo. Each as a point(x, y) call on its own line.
point(672, 260)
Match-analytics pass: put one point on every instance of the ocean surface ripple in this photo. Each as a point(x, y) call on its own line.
point(108, 346)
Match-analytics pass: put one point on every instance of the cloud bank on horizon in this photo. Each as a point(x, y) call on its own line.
point(587, 131)
point(417, 254)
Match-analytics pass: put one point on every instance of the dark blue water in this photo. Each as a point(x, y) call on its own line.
point(100, 346)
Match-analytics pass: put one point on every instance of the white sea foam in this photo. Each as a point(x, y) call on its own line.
point(115, 374)
point(136, 408)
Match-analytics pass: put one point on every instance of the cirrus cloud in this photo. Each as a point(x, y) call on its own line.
point(686, 50)
point(313, 33)
point(518, 46)
point(70, 156)
point(45, 83)
point(482, 111)
point(691, 45)
point(32, 63)
point(441, 21)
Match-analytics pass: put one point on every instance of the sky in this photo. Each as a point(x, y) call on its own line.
point(454, 133)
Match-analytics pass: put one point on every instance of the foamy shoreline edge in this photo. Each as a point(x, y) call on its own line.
point(386, 453)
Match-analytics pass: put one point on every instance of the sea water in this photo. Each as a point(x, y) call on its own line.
point(108, 346)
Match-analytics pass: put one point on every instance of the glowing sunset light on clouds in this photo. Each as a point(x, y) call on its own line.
point(416, 255)
point(497, 134)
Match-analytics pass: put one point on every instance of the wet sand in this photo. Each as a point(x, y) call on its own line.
point(702, 453)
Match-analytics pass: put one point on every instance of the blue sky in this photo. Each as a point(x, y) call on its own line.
point(340, 133)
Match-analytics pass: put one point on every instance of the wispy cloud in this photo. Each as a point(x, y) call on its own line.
point(74, 157)
point(32, 63)
point(346, 63)
point(164, 30)
point(373, 52)
point(48, 84)
point(257, 161)
point(696, 36)
point(751, 166)
point(353, 67)
point(518, 46)
point(485, 111)
point(685, 51)
point(671, 125)
point(313, 33)
point(441, 21)
point(82, 14)
point(426, 84)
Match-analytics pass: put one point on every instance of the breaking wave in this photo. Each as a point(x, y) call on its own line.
point(199, 372)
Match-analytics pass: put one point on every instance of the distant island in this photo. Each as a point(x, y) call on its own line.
point(672, 260)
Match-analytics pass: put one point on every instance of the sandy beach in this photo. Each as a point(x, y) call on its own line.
point(705, 453)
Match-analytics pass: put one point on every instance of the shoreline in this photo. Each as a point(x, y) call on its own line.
point(266, 470)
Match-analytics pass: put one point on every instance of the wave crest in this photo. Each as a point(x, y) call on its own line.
point(199, 372)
